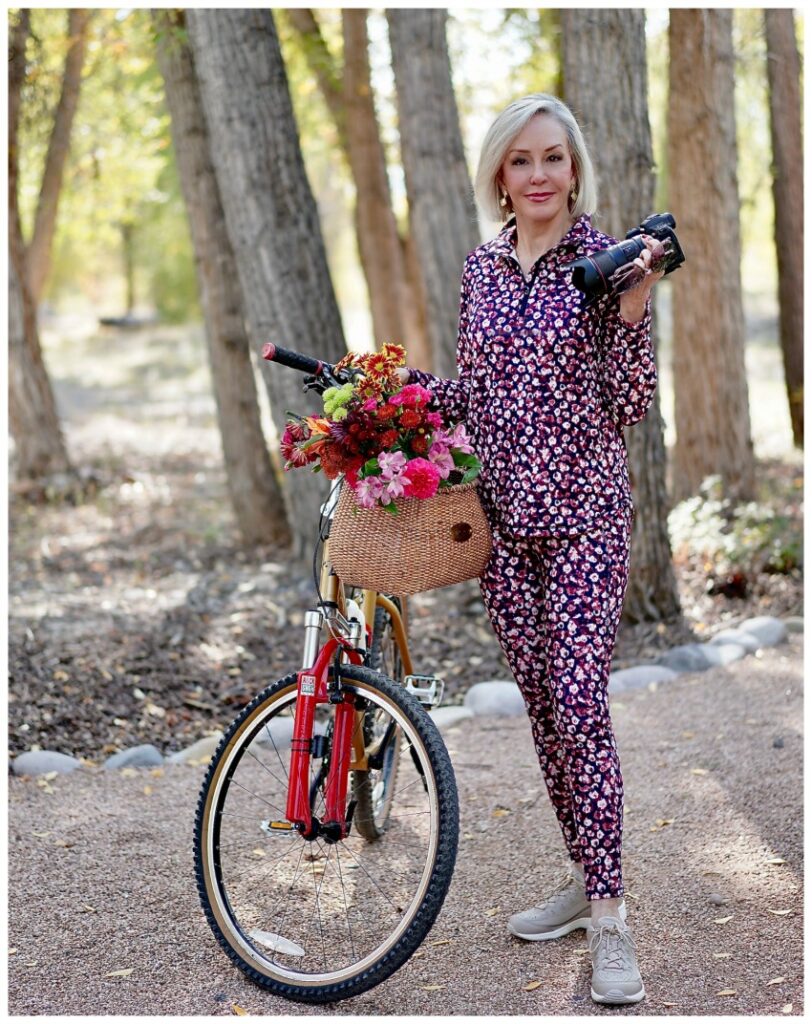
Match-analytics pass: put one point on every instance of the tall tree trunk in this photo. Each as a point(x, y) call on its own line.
point(255, 493)
point(784, 76)
point(40, 447)
point(710, 385)
point(377, 230)
point(271, 218)
point(347, 91)
point(38, 256)
point(442, 213)
point(613, 110)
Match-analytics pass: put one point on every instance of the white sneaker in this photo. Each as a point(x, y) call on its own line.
point(615, 977)
point(559, 913)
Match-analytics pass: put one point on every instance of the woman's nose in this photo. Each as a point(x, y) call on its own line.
point(537, 173)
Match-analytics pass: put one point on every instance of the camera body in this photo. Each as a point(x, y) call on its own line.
point(612, 270)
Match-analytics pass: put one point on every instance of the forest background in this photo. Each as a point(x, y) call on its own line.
point(147, 548)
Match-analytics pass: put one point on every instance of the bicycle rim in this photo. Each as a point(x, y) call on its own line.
point(311, 920)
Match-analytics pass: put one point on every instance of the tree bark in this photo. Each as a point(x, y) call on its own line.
point(784, 76)
point(612, 109)
point(255, 493)
point(40, 447)
point(442, 213)
point(271, 218)
point(710, 385)
point(38, 256)
point(394, 306)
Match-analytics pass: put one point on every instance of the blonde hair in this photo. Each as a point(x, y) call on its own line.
point(504, 130)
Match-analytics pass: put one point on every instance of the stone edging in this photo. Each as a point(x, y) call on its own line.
point(492, 697)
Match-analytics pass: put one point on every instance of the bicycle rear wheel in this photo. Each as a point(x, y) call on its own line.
point(311, 920)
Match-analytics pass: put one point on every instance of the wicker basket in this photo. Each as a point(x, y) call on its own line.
point(430, 543)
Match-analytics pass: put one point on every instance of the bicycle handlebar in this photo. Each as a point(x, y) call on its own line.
point(295, 360)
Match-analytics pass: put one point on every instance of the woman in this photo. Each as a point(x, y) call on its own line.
point(545, 387)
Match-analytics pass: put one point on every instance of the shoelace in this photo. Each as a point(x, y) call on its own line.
point(559, 889)
point(613, 956)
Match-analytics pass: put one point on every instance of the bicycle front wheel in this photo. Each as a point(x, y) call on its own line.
point(311, 920)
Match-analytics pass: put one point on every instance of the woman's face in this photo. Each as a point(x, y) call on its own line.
point(538, 172)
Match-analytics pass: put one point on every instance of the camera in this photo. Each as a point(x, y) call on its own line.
point(613, 271)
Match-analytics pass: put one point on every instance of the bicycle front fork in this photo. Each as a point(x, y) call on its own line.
point(347, 746)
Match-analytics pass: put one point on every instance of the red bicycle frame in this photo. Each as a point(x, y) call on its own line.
point(312, 690)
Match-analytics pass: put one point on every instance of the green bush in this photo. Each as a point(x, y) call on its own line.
point(748, 538)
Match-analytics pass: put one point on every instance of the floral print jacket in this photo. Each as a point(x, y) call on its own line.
point(546, 386)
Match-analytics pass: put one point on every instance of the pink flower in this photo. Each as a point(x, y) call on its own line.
point(411, 395)
point(290, 447)
point(458, 438)
point(442, 458)
point(433, 419)
point(391, 464)
point(368, 490)
point(423, 478)
point(370, 404)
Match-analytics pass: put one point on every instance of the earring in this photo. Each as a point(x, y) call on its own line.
point(503, 199)
point(573, 193)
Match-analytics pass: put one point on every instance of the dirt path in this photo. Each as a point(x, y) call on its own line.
point(100, 875)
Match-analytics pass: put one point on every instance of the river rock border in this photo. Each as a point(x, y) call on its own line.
point(493, 697)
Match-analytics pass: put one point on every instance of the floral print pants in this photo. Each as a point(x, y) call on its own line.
point(555, 604)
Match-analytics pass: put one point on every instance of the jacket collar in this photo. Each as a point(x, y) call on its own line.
point(572, 244)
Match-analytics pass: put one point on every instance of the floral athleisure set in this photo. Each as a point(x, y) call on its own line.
point(545, 387)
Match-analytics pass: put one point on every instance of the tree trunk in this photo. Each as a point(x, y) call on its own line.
point(40, 447)
point(613, 111)
point(784, 76)
point(350, 100)
point(710, 385)
point(255, 493)
point(271, 218)
point(376, 227)
point(38, 256)
point(442, 213)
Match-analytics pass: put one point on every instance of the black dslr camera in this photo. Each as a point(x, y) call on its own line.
point(613, 270)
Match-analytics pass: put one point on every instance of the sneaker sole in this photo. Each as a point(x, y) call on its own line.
point(618, 998)
point(564, 929)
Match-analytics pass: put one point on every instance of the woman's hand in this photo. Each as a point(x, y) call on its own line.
point(402, 374)
point(633, 301)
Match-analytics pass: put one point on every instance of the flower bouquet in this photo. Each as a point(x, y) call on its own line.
point(387, 439)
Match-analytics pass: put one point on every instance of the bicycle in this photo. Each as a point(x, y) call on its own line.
point(320, 872)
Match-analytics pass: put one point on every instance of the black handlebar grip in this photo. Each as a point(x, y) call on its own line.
point(295, 360)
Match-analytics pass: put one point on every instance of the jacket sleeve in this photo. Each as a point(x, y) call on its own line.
point(451, 394)
point(628, 370)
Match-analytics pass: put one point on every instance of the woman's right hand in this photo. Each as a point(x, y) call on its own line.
point(403, 374)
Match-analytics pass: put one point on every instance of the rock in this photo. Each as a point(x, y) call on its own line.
point(716, 899)
point(723, 654)
point(200, 751)
point(794, 624)
point(495, 697)
point(450, 715)
point(143, 756)
point(766, 628)
point(737, 636)
point(685, 658)
point(639, 677)
point(39, 762)
point(778, 742)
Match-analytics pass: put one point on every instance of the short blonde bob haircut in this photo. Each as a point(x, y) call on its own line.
point(497, 142)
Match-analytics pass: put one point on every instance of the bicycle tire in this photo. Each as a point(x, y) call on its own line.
point(372, 790)
point(381, 961)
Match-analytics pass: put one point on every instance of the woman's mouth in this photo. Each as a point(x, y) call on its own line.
point(538, 197)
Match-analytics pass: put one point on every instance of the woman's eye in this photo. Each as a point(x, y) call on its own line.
point(516, 161)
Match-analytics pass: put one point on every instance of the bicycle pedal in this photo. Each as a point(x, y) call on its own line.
point(276, 827)
point(427, 689)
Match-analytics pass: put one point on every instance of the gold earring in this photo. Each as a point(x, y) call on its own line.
point(503, 199)
point(573, 192)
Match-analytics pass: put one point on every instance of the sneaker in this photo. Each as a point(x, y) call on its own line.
point(615, 977)
point(561, 912)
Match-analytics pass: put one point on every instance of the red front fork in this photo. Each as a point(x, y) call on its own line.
point(312, 690)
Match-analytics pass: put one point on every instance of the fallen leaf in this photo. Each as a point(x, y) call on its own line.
point(50, 776)
point(727, 992)
point(41, 835)
point(156, 773)
point(670, 1004)
point(492, 912)
point(129, 773)
point(432, 988)
point(125, 972)
point(258, 852)
point(67, 844)
point(500, 812)
point(776, 981)
point(722, 956)
point(665, 821)
point(147, 790)
point(87, 909)
point(687, 735)
point(631, 895)
point(11, 952)
point(699, 771)
point(776, 860)
point(60, 676)
point(240, 1012)
point(779, 913)
point(467, 835)
point(441, 942)
point(723, 920)
point(786, 1008)
point(532, 985)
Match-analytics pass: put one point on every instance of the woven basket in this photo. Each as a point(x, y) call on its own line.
point(430, 543)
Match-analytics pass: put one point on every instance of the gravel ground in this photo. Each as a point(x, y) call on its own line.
point(100, 876)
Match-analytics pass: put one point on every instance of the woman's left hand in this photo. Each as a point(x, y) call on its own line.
point(633, 301)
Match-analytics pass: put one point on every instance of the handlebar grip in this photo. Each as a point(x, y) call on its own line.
point(295, 360)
